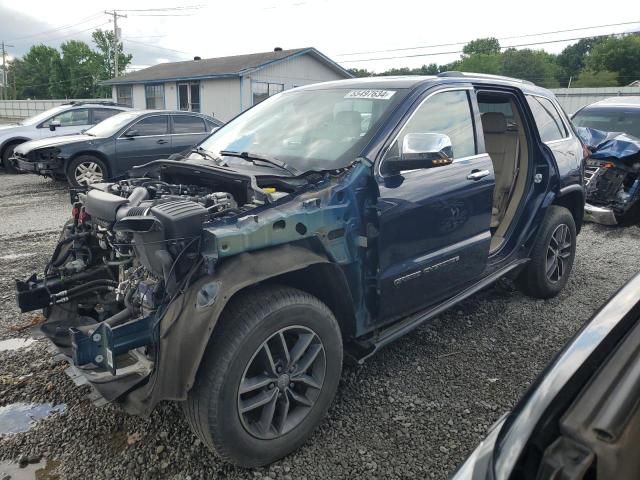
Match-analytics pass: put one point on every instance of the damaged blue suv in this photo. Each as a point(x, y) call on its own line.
point(323, 223)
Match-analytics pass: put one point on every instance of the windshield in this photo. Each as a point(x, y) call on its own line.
point(307, 129)
point(610, 120)
point(111, 125)
point(41, 117)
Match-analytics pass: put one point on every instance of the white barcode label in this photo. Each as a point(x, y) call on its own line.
point(368, 93)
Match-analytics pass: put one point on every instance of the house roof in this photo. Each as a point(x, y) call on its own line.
point(221, 67)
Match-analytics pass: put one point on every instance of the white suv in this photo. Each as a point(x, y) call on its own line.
point(62, 120)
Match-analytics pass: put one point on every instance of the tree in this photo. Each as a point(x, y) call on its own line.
point(603, 78)
point(75, 72)
point(572, 59)
point(536, 66)
point(480, 63)
point(484, 46)
point(105, 42)
point(617, 54)
point(32, 72)
point(360, 72)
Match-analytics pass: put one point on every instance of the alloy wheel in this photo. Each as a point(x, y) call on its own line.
point(558, 253)
point(282, 382)
point(87, 173)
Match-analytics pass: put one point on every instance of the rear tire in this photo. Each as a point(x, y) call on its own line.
point(85, 170)
point(552, 255)
point(6, 155)
point(246, 350)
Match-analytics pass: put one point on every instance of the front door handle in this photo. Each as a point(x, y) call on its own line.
point(161, 141)
point(478, 174)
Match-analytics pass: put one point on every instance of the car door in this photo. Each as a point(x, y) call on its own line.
point(66, 123)
point(434, 235)
point(143, 141)
point(187, 131)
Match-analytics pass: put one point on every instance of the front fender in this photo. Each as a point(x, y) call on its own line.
point(187, 325)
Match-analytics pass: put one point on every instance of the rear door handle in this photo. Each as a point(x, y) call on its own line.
point(161, 141)
point(478, 174)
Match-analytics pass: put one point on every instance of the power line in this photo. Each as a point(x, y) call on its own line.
point(128, 39)
point(500, 38)
point(65, 27)
point(164, 9)
point(432, 54)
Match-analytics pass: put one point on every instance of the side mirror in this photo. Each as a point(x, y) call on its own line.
point(422, 150)
point(131, 133)
point(53, 124)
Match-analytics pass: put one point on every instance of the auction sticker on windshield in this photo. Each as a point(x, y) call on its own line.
point(377, 94)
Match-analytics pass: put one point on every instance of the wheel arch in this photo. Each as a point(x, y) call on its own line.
point(573, 199)
point(189, 322)
point(12, 141)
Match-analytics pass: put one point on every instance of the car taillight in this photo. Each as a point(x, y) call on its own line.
point(83, 215)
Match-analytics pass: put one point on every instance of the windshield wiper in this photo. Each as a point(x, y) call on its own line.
point(254, 157)
point(205, 154)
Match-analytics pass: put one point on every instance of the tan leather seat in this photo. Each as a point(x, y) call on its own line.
point(502, 145)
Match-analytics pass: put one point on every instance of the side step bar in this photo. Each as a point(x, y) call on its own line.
point(367, 348)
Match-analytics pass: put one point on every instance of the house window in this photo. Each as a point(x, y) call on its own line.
point(189, 96)
point(263, 90)
point(155, 96)
point(124, 95)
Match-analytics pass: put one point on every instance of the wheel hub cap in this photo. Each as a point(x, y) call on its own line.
point(87, 173)
point(558, 253)
point(282, 382)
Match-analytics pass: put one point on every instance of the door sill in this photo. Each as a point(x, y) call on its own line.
point(361, 350)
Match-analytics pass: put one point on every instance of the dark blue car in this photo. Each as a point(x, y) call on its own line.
point(115, 145)
point(328, 220)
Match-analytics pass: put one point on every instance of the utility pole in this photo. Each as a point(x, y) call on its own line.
point(116, 38)
point(4, 70)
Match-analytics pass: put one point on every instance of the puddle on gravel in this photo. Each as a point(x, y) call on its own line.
point(20, 417)
point(15, 343)
point(33, 471)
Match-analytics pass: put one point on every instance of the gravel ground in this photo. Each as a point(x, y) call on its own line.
point(415, 410)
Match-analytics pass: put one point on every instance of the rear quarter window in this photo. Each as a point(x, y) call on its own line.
point(547, 117)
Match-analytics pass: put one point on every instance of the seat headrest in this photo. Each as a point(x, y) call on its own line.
point(494, 122)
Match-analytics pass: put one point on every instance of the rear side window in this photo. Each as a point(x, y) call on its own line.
point(188, 124)
point(613, 120)
point(448, 113)
point(156, 125)
point(100, 114)
point(547, 119)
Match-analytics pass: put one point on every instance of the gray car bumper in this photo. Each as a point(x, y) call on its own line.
point(604, 216)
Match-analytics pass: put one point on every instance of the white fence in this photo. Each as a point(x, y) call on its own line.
point(18, 109)
point(573, 99)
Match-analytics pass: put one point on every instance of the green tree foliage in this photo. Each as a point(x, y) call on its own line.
point(479, 63)
point(361, 72)
point(536, 66)
point(589, 78)
point(32, 72)
point(482, 46)
point(72, 72)
point(572, 59)
point(617, 54)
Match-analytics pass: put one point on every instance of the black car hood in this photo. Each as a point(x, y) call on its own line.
point(53, 142)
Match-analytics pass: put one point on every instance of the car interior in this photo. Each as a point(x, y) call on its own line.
point(506, 143)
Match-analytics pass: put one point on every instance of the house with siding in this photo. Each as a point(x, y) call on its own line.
point(223, 87)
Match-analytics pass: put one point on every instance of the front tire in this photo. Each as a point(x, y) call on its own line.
point(6, 155)
point(552, 255)
point(85, 170)
point(268, 376)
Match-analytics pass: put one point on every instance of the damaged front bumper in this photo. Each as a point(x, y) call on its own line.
point(602, 215)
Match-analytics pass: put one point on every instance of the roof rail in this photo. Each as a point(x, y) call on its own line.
point(454, 73)
point(96, 102)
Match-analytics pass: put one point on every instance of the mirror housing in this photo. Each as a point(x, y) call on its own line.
point(421, 150)
point(53, 124)
point(131, 134)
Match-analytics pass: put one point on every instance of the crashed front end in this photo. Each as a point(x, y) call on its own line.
point(141, 270)
point(611, 175)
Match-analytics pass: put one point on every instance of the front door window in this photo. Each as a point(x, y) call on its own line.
point(189, 97)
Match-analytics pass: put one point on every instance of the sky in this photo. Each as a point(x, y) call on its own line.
point(341, 29)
